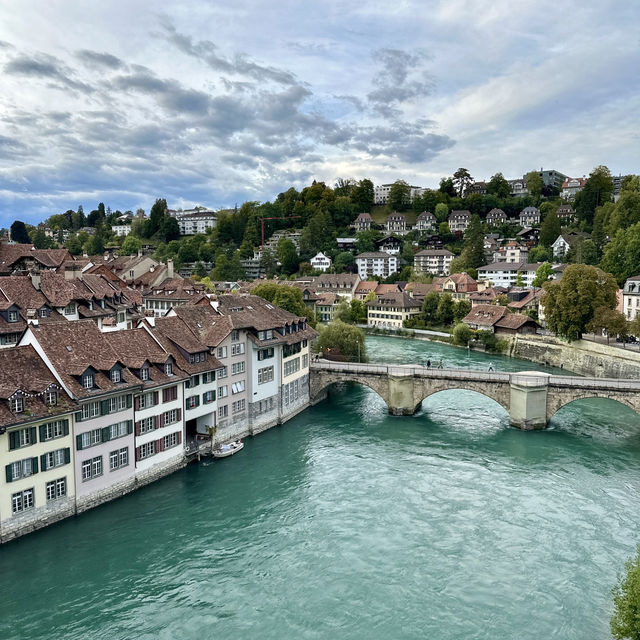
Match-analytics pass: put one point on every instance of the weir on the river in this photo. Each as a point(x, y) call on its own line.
point(530, 397)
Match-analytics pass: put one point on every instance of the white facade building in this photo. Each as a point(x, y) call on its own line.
point(376, 263)
point(121, 229)
point(320, 262)
point(434, 261)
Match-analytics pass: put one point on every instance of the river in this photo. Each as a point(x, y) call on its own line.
point(349, 523)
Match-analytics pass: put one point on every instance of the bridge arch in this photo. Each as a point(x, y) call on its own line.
point(555, 404)
point(321, 382)
point(495, 398)
point(499, 393)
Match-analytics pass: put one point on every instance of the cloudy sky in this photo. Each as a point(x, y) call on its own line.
point(214, 103)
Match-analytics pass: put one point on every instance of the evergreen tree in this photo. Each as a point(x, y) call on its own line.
point(19, 233)
point(549, 229)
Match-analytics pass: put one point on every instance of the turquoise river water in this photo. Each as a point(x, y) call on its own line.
point(348, 523)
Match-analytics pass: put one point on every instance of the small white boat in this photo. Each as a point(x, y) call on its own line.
point(225, 450)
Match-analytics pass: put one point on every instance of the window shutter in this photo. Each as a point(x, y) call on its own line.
point(43, 432)
point(104, 407)
point(129, 426)
point(136, 404)
point(165, 395)
point(43, 461)
point(78, 442)
point(78, 416)
point(155, 397)
point(106, 434)
point(34, 465)
point(179, 437)
point(156, 422)
point(129, 397)
point(13, 440)
point(138, 427)
point(33, 435)
point(65, 427)
point(174, 393)
point(179, 412)
point(160, 420)
point(67, 455)
point(160, 445)
point(138, 453)
point(8, 470)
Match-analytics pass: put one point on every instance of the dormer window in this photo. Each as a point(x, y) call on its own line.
point(17, 404)
point(70, 309)
point(51, 398)
point(90, 304)
point(87, 381)
point(116, 375)
point(13, 316)
point(144, 373)
point(168, 368)
point(43, 313)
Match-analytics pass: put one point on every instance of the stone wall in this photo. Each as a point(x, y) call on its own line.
point(581, 357)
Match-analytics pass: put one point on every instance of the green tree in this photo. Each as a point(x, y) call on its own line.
point(534, 183)
point(366, 240)
point(462, 333)
point(598, 189)
point(286, 253)
point(358, 312)
point(268, 263)
point(40, 240)
point(473, 252)
point(540, 254)
point(622, 255)
point(74, 245)
point(441, 212)
point(363, 196)
point(460, 309)
point(343, 340)
point(19, 233)
point(582, 250)
point(156, 216)
point(343, 312)
point(317, 235)
point(611, 321)
point(444, 313)
point(228, 268)
point(199, 270)
point(544, 273)
point(169, 229)
point(447, 187)
point(549, 229)
point(94, 245)
point(284, 296)
point(461, 181)
point(570, 302)
point(625, 621)
point(400, 195)
point(430, 306)
point(499, 186)
point(130, 246)
point(519, 279)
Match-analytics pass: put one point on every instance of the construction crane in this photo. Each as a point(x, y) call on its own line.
point(275, 218)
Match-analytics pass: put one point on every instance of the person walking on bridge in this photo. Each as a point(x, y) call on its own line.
point(491, 366)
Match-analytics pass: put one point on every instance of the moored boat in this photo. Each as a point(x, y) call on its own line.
point(225, 450)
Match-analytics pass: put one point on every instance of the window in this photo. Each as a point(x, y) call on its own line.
point(237, 367)
point(13, 316)
point(223, 412)
point(116, 375)
point(169, 394)
point(209, 376)
point(70, 309)
point(22, 438)
point(52, 430)
point(56, 489)
point(144, 373)
point(117, 404)
point(87, 381)
point(192, 402)
point(291, 349)
point(222, 352)
point(148, 424)
point(223, 372)
point(22, 469)
point(171, 416)
point(17, 404)
point(265, 335)
point(223, 391)
point(90, 438)
point(235, 335)
point(118, 458)
point(193, 381)
point(43, 313)
point(22, 500)
point(305, 341)
point(292, 366)
point(291, 392)
point(263, 354)
point(91, 468)
point(238, 406)
point(265, 375)
point(147, 450)
point(90, 410)
point(51, 398)
point(55, 459)
point(208, 397)
point(171, 440)
point(237, 349)
point(237, 387)
point(118, 430)
point(168, 368)
point(305, 360)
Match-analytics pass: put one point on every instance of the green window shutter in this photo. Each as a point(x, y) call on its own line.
point(67, 455)
point(8, 472)
point(104, 407)
point(129, 426)
point(43, 432)
point(43, 461)
point(65, 427)
point(129, 401)
point(33, 435)
point(78, 442)
point(78, 416)
point(106, 434)
point(34, 465)
point(13, 440)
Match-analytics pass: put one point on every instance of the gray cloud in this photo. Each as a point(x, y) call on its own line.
point(46, 67)
point(95, 59)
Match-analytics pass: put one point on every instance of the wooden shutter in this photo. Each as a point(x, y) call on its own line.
point(13, 440)
point(78, 442)
point(165, 395)
point(106, 434)
point(8, 472)
point(160, 445)
point(179, 437)
point(155, 397)
point(156, 422)
point(104, 407)
point(179, 414)
point(67, 455)
point(137, 404)
point(138, 453)
point(43, 432)
point(138, 423)
point(129, 426)
point(78, 416)
point(65, 427)
point(43, 461)
point(129, 398)
point(34, 465)
point(160, 420)
point(33, 435)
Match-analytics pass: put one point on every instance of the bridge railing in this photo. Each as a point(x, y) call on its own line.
point(614, 384)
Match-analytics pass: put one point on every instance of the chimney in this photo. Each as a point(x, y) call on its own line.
point(35, 280)
point(169, 268)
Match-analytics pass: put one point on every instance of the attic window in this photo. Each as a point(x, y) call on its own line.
point(51, 398)
point(87, 380)
point(144, 373)
point(17, 404)
point(168, 368)
point(13, 316)
point(116, 375)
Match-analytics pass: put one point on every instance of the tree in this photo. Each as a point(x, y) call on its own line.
point(441, 212)
point(625, 621)
point(447, 187)
point(499, 186)
point(598, 189)
point(268, 263)
point(462, 333)
point(19, 233)
point(461, 181)
point(130, 246)
point(534, 183)
point(286, 253)
point(549, 229)
point(94, 245)
point(622, 255)
point(461, 309)
point(358, 312)
point(363, 196)
point(519, 279)
point(609, 320)
point(74, 245)
point(473, 252)
point(430, 306)
point(544, 273)
point(366, 240)
point(444, 313)
point(540, 254)
point(399, 195)
point(343, 312)
point(41, 240)
point(170, 229)
point(156, 216)
point(343, 340)
point(582, 250)
point(570, 302)
point(284, 296)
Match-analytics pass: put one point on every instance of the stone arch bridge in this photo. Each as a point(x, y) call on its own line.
point(531, 398)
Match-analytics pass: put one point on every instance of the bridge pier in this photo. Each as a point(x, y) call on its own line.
point(401, 395)
point(528, 400)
